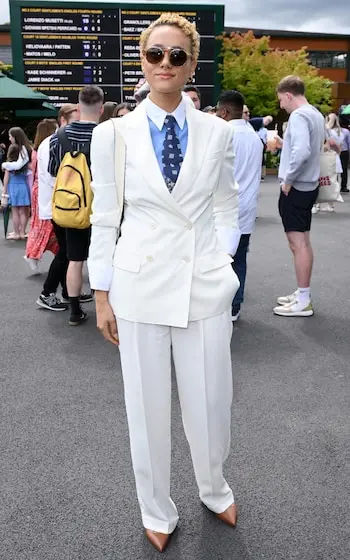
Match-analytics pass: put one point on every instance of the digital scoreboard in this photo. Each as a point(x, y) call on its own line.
point(58, 47)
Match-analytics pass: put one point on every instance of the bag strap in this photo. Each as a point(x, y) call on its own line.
point(67, 146)
point(120, 163)
point(64, 140)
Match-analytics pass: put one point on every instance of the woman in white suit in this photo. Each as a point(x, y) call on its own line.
point(166, 284)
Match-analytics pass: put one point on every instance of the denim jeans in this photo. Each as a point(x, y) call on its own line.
point(240, 267)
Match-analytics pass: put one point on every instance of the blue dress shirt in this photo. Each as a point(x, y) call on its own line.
point(156, 117)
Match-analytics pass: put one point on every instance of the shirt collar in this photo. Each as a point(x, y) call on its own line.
point(158, 115)
point(241, 122)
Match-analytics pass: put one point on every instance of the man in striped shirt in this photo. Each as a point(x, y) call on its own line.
point(79, 133)
point(58, 269)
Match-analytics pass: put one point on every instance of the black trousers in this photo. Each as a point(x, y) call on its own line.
point(58, 269)
point(344, 158)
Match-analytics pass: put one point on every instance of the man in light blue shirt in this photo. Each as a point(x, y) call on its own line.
point(248, 151)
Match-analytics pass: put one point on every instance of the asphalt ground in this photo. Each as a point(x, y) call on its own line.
point(66, 483)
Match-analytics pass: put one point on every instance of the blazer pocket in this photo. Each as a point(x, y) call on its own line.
point(213, 261)
point(127, 261)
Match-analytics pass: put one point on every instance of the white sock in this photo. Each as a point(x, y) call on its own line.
point(304, 296)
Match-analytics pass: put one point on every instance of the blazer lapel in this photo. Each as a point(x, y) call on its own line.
point(146, 160)
point(197, 144)
point(143, 152)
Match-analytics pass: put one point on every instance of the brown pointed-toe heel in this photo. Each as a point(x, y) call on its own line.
point(229, 516)
point(158, 540)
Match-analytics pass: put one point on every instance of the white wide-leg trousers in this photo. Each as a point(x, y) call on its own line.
point(202, 361)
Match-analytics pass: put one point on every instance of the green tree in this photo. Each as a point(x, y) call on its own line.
point(6, 69)
point(252, 67)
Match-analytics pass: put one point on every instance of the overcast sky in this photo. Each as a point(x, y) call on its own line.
point(298, 15)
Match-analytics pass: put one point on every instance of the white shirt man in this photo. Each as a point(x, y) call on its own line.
point(248, 150)
point(248, 153)
point(45, 180)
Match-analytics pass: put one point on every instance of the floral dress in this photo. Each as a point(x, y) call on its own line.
point(41, 236)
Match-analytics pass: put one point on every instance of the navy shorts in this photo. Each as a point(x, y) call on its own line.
point(296, 209)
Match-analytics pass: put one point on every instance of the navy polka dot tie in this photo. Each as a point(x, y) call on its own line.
point(171, 156)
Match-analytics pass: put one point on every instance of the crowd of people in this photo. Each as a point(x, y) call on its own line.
point(175, 204)
point(31, 169)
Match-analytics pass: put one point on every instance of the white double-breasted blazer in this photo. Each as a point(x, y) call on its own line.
point(171, 263)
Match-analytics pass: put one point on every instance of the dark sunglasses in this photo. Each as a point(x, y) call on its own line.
point(177, 56)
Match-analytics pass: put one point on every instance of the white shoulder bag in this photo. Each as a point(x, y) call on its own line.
point(329, 186)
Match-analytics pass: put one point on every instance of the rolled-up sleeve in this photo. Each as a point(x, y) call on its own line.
point(226, 202)
point(105, 218)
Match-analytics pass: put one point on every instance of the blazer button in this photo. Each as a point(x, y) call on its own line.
point(153, 226)
point(188, 226)
point(149, 258)
point(187, 259)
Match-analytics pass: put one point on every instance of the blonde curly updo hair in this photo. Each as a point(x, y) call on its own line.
point(188, 28)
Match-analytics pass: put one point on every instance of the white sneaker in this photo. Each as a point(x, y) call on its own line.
point(294, 309)
point(327, 207)
point(235, 317)
point(33, 265)
point(286, 300)
point(315, 209)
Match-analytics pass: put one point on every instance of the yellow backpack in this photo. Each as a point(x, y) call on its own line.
point(72, 195)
